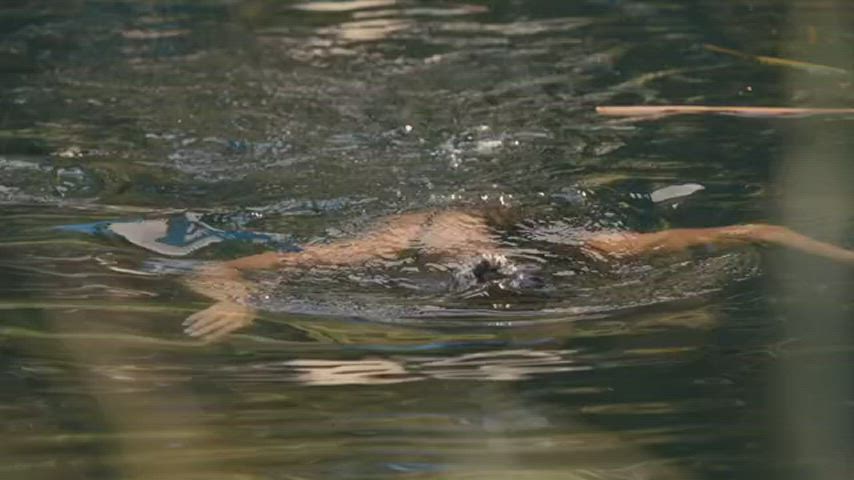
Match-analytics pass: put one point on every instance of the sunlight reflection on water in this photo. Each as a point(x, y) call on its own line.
point(313, 119)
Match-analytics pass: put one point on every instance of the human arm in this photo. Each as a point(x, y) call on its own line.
point(224, 281)
point(627, 244)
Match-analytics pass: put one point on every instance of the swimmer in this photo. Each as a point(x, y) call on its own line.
point(458, 236)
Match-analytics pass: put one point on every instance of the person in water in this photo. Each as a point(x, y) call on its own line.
point(458, 236)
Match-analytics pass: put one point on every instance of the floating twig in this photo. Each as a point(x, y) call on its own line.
point(666, 110)
point(780, 62)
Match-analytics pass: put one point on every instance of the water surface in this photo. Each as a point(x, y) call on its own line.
point(315, 119)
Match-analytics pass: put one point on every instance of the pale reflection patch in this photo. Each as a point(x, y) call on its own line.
point(505, 365)
point(348, 6)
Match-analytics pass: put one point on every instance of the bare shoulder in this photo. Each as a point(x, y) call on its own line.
point(457, 233)
point(403, 220)
point(457, 216)
point(432, 222)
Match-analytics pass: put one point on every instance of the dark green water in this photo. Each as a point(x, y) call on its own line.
point(314, 120)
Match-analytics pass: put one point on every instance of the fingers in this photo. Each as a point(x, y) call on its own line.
point(218, 334)
point(215, 327)
point(220, 322)
point(194, 318)
point(217, 321)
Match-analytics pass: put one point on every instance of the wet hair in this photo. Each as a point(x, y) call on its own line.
point(491, 268)
point(502, 217)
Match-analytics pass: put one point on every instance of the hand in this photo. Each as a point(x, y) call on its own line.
point(782, 236)
point(218, 320)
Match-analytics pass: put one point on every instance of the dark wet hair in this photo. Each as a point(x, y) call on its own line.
point(501, 216)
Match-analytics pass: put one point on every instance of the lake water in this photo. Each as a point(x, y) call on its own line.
point(314, 120)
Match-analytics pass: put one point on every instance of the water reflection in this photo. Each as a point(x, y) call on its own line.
point(503, 365)
point(346, 6)
point(374, 20)
point(320, 117)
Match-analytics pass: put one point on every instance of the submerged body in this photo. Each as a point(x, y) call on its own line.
point(458, 238)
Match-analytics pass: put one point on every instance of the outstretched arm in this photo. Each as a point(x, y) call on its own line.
point(224, 282)
point(636, 244)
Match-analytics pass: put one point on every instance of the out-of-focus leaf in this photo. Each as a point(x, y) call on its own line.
point(667, 110)
point(814, 68)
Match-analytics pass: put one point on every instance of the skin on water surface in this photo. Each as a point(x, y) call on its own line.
point(457, 236)
point(601, 333)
